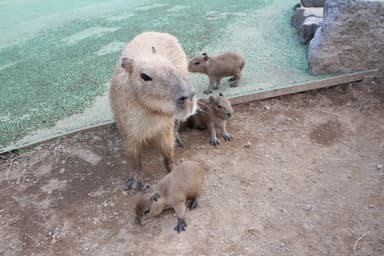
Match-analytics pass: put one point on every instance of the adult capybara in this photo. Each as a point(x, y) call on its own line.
point(149, 91)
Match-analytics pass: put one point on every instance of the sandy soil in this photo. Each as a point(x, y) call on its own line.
point(304, 176)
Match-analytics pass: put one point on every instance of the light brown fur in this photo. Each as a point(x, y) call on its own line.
point(213, 112)
point(217, 67)
point(149, 90)
point(173, 191)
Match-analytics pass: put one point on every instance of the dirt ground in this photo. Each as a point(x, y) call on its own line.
point(304, 176)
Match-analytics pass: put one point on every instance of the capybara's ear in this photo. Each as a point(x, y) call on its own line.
point(155, 196)
point(205, 56)
point(127, 64)
point(153, 50)
point(221, 94)
point(211, 99)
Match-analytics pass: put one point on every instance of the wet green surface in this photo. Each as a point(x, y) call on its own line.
point(56, 57)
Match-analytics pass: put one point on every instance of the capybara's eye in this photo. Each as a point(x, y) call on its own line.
point(219, 106)
point(145, 77)
point(197, 63)
point(146, 212)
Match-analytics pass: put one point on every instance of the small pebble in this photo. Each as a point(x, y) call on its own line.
point(308, 207)
point(379, 167)
point(371, 206)
point(266, 107)
point(252, 230)
point(248, 144)
point(62, 170)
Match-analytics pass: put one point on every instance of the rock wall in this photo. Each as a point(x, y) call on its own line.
point(307, 20)
point(351, 38)
point(312, 3)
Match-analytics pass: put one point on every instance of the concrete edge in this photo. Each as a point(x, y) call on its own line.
point(296, 88)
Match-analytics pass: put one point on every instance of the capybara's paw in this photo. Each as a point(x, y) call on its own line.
point(143, 187)
point(214, 142)
point(181, 225)
point(192, 204)
point(132, 183)
point(179, 142)
point(232, 79)
point(228, 137)
point(169, 166)
point(128, 183)
point(208, 91)
point(234, 84)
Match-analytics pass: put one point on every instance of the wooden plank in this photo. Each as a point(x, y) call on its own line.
point(13, 147)
point(328, 82)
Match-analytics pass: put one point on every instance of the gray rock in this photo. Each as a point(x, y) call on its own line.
point(351, 38)
point(312, 3)
point(302, 13)
point(310, 25)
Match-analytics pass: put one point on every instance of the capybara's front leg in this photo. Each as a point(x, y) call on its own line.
point(226, 135)
point(212, 134)
point(166, 144)
point(133, 182)
point(179, 141)
point(211, 86)
point(217, 84)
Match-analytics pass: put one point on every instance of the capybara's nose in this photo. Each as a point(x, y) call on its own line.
point(229, 115)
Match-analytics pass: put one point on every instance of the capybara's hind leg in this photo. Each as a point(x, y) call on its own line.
point(180, 212)
point(236, 79)
point(192, 204)
point(232, 79)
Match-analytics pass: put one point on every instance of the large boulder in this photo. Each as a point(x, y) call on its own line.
point(351, 37)
point(312, 3)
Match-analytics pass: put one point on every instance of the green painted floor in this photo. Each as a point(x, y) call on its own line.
point(56, 57)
